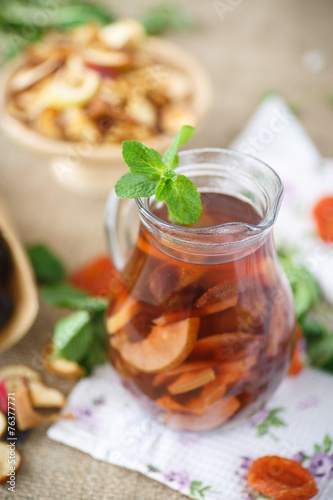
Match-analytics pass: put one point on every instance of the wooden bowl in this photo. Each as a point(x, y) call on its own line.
point(22, 286)
point(94, 169)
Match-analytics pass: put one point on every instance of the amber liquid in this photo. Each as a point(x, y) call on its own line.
point(206, 343)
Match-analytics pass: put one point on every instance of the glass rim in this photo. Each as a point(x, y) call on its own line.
point(266, 221)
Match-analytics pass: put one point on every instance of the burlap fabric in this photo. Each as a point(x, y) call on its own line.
point(249, 47)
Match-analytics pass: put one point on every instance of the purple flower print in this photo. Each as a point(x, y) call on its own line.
point(180, 479)
point(100, 400)
point(309, 402)
point(321, 465)
point(299, 457)
point(258, 418)
point(85, 417)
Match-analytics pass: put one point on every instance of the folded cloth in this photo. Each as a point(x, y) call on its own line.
point(112, 426)
point(296, 423)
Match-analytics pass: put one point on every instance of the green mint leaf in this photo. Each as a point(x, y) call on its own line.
point(47, 267)
point(142, 160)
point(73, 336)
point(164, 189)
point(183, 136)
point(136, 185)
point(183, 200)
point(67, 296)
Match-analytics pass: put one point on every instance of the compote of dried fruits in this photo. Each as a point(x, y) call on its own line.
point(202, 323)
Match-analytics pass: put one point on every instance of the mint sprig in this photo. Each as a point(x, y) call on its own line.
point(150, 174)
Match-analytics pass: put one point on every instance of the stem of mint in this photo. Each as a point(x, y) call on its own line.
point(150, 174)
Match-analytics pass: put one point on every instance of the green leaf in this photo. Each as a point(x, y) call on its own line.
point(164, 189)
point(183, 200)
point(321, 352)
point(142, 160)
point(67, 296)
point(183, 136)
point(262, 429)
point(46, 265)
point(136, 185)
point(165, 17)
point(327, 443)
point(317, 448)
point(73, 336)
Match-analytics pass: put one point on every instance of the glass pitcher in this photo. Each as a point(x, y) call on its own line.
point(201, 324)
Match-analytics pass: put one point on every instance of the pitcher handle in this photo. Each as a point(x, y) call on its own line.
point(122, 225)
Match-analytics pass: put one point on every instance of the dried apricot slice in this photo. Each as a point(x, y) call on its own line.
point(165, 377)
point(164, 348)
point(189, 381)
point(216, 415)
point(167, 279)
point(226, 346)
point(281, 479)
point(119, 319)
point(323, 214)
point(96, 277)
point(218, 298)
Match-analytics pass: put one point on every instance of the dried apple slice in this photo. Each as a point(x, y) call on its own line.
point(6, 457)
point(237, 366)
point(215, 416)
point(106, 58)
point(28, 76)
point(19, 371)
point(173, 117)
point(189, 381)
point(165, 377)
point(45, 397)
point(164, 348)
point(62, 93)
point(167, 279)
point(61, 366)
point(119, 319)
point(26, 417)
point(225, 346)
point(46, 124)
point(3, 424)
point(218, 298)
point(122, 33)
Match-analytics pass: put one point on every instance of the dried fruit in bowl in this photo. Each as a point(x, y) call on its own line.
point(281, 479)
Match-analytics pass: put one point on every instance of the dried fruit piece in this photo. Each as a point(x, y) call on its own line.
point(6, 457)
point(61, 366)
point(27, 76)
point(95, 277)
point(119, 319)
point(215, 416)
point(213, 390)
point(218, 298)
point(281, 479)
point(189, 381)
point(164, 377)
point(297, 364)
point(19, 371)
point(46, 124)
point(3, 424)
point(226, 346)
point(122, 33)
point(45, 397)
point(168, 279)
point(142, 111)
point(164, 348)
point(173, 117)
point(323, 214)
point(169, 403)
point(26, 417)
point(268, 272)
point(107, 58)
point(237, 366)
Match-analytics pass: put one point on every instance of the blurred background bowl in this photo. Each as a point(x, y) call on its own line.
point(90, 169)
point(22, 286)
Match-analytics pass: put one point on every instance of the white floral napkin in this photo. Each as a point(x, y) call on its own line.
point(297, 422)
